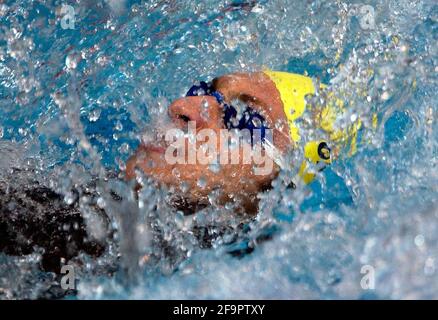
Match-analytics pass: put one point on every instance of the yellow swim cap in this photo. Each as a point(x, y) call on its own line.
point(293, 89)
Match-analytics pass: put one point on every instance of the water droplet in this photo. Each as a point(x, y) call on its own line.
point(176, 173)
point(385, 96)
point(429, 266)
point(205, 110)
point(22, 132)
point(214, 167)
point(119, 125)
point(419, 240)
point(353, 117)
point(202, 182)
point(101, 203)
point(179, 219)
point(72, 61)
point(94, 115)
point(184, 186)
point(69, 198)
point(124, 148)
point(121, 164)
point(3, 9)
point(102, 60)
point(257, 9)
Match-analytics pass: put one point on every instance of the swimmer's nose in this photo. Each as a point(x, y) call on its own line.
point(203, 110)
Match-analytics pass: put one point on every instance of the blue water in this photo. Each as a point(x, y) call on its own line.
point(377, 208)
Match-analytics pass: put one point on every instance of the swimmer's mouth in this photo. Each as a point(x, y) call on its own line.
point(157, 148)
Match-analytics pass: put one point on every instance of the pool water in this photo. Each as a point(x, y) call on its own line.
point(77, 94)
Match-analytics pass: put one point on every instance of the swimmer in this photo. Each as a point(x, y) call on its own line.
point(272, 101)
point(268, 103)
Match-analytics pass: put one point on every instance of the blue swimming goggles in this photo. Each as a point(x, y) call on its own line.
point(250, 119)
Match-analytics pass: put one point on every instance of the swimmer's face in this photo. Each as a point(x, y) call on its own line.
point(235, 182)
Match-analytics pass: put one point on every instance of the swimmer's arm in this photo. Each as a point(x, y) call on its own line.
point(37, 218)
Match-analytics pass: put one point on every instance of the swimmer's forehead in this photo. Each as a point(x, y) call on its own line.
point(256, 88)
